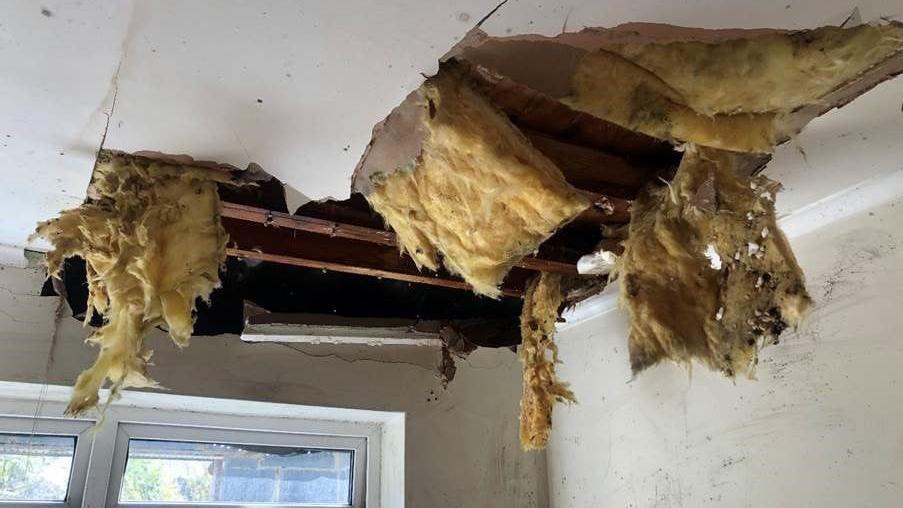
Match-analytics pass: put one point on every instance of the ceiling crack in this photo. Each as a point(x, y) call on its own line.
point(489, 15)
point(348, 360)
point(109, 114)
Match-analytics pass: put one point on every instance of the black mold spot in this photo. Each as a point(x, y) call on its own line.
point(47, 13)
point(633, 286)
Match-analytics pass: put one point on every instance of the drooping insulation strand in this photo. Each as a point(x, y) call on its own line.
point(539, 354)
point(731, 94)
point(706, 274)
point(152, 241)
point(481, 197)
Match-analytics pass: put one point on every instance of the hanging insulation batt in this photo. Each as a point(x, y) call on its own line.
point(731, 94)
point(152, 241)
point(539, 354)
point(706, 274)
point(474, 191)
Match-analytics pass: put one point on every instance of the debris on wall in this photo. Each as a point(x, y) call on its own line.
point(474, 193)
point(539, 354)
point(151, 236)
point(706, 273)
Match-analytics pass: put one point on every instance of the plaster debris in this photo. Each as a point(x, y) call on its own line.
point(680, 307)
point(475, 193)
point(153, 244)
point(539, 354)
point(714, 259)
point(752, 248)
point(732, 94)
point(454, 344)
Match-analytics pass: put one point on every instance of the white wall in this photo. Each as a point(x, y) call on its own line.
point(820, 426)
point(461, 444)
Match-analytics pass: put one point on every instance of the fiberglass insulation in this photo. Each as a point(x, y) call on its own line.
point(153, 244)
point(539, 354)
point(706, 274)
point(481, 196)
point(731, 94)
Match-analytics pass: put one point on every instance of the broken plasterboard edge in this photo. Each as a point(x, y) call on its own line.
point(338, 334)
point(858, 198)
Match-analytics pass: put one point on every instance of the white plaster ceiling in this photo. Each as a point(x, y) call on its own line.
point(297, 86)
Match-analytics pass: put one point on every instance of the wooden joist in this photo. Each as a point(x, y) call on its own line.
point(357, 270)
point(343, 251)
point(352, 232)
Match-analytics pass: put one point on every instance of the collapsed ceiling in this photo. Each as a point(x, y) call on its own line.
point(521, 156)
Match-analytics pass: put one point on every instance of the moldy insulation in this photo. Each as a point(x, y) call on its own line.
point(152, 241)
point(474, 192)
point(795, 67)
point(539, 354)
point(740, 90)
point(706, 273)
point(732, 94)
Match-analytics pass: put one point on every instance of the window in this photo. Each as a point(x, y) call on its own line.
point(42, 460)
point(159, 450)
point(35, 467)
point(164, 464)
point(192, 472)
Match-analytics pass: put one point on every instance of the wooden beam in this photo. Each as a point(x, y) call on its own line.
point(608, 210)
point(360, 233)
point(590, 169)
point(358, 270)
point(530, 109)
point(309, 224)
point(252, 240)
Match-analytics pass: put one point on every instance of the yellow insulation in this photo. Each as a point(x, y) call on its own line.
point(706, 274)
point(615, 89)
point(539, 354)
point(481, 196)
point(153, 244)
point(729, 94)
point(769, 72)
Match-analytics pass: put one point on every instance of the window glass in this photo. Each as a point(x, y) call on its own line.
point(190, 472)
point(35, 467)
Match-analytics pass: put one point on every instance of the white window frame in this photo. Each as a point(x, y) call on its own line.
point(80, 429)
point(127, 431)
point(377, 437)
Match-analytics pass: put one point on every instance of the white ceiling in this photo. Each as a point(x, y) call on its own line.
point(296, 86)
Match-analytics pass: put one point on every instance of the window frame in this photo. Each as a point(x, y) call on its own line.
point(382, 431)
point(80, 429)
point(127, 431)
